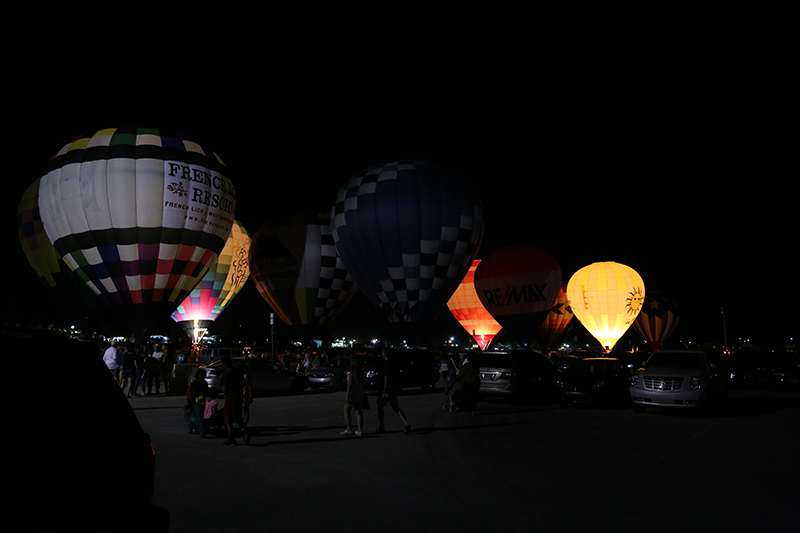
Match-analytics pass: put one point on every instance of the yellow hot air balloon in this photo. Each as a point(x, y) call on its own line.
point(224, 279)
point(606, 298)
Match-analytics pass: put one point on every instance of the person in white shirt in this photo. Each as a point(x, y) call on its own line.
point(111, 359)
point(158, 354)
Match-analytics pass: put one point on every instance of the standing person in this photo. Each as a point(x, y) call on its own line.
point(198, 388)
point(158, 355)
point(167, 369)
point(443, 368)
point(247, 395)
point(389, 390)
point(209, 412)
point(469, 379)
point(151, 370)
point(128, 375)
point(111, 359)
point(452, 372)
point(356, 396)
point(138, 379)
point(233, 383)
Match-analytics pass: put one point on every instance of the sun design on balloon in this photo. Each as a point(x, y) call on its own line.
point(635, 301)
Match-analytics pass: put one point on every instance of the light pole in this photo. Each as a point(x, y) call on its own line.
point(272, 332)
point(724, 330)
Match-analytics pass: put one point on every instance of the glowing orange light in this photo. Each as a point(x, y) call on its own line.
point(467, 308)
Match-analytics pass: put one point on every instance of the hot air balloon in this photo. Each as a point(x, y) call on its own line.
point(224, 279)
point(518, 285)
point(138, 215)
point(407, 231)
point(294, 265)
point(606, 298)
point(467, 308)
point(66, 288)
point(557, 322)
point(658, 319)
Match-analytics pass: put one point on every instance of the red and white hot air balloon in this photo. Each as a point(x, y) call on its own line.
point(518, 285)
point(467, 308)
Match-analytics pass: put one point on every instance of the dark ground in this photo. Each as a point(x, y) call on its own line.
point(509, 466)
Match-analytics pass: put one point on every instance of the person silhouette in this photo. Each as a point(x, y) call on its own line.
point(388, 393)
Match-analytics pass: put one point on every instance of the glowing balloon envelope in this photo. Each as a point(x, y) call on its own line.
point(657, 321)
point(67, 289)
point(557, 321)
point(294, 265)
point(467, 308)
point(408, 232)
point(138, 215)
point(224, 279)
point(606, 298)
point(518, 285)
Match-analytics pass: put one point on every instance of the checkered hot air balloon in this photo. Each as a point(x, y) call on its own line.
point(407, 231)
point(295, 267)
point(138, 215)
point(223, 281)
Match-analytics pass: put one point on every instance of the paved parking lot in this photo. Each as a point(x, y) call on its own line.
point(509, 466)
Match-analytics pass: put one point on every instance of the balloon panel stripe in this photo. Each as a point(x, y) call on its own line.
point(173, 152)
point(141, 236)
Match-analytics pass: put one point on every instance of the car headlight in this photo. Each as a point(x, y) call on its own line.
point(599, 385)
point(635, 381)
point(698, 382)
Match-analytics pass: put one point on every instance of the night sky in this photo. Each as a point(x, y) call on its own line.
point(671, 150)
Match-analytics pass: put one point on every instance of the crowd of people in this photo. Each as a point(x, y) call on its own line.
point(140, 370)
point(144, 371)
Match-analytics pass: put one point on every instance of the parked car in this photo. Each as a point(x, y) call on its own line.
point(333, 376)
point(563, 362)
point(786, 368)
point(72, 466)
point(596, 380)
point(525, 375)
point(266, 376)
point(679, 378)
point(212, 353)
point(747, 369)
point(416, 368)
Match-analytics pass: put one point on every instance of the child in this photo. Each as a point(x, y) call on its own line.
point(210, 414)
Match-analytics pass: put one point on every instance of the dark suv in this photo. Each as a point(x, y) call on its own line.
point(76, 458)
point(524, 375)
